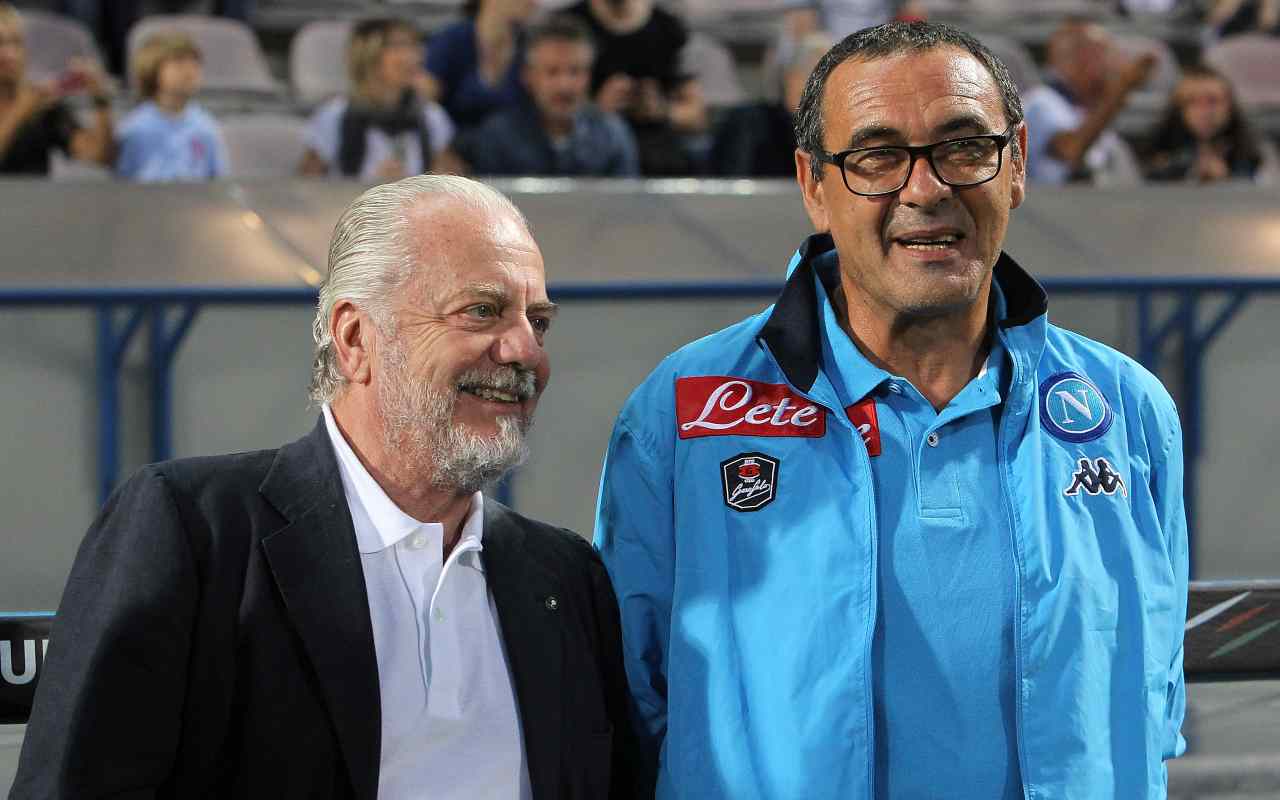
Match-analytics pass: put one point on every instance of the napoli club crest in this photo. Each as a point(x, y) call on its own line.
point(750, 481)
point(1072, 408)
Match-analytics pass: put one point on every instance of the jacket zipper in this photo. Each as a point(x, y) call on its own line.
point(1005, 489)
point(860, 448)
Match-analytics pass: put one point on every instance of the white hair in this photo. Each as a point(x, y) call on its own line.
point(371, 256)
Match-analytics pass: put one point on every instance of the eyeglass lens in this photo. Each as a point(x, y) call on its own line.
point(960, 163)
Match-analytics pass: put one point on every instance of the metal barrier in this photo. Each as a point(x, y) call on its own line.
point(169, 312)
point(1232, 633)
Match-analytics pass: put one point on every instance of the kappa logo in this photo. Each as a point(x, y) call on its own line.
point(713, 405)
point(1073, 409)
point(750, 481)
point(1096, 477)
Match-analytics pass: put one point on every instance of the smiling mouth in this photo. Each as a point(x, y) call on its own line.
point(509, 388)
point(492, 395)
point(939, 242)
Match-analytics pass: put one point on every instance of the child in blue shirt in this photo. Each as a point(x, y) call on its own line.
point(168, 137)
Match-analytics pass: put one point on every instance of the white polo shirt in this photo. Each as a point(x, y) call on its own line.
point(450, 723)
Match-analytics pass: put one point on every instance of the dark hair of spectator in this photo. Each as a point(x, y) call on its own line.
point(882, 41)
point(560, 28)
point(1239, 138)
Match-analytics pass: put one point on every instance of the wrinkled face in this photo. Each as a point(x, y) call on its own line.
point(1205, 104)
point(558, 76)
point(399, 59)
point(13, 53)
point(927, 249)
point(463, 371)
point(180, 76)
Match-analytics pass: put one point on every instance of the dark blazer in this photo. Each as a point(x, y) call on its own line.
point(214, 640)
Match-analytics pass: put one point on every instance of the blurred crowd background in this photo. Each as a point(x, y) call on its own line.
point(1116, 92)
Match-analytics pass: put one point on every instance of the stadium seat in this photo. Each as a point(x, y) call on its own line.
point(1249, 62)
point(1015, 56)
point(53, 40)
point(264, 145)
point(712, 64)
point(233, 60)
point(317, 64)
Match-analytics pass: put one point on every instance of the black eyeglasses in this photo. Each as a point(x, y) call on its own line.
point(967, 161)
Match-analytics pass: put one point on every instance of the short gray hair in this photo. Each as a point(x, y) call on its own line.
point(882, 41)
point(371, 257)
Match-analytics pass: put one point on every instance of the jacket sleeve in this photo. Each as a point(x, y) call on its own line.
point(635, 536)
point(107, 712)
point(1167, 489)
point(628, 776)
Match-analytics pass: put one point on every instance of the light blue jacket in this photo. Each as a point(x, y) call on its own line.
point(747, 630)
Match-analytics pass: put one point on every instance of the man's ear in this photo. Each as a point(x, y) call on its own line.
point(1018, 157)
point(812, 192)
point(354, 341)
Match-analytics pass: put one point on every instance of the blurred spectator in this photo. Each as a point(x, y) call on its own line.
point(35, 118)
point(557, 131)
point(476, 64)
point(1205, 136)
point(1068, 118)
point(759, 139)
point(110, 20)
point(636, 75)
point(1228, 17)
point(839, 18)
point(168, 137)
point(382, 130)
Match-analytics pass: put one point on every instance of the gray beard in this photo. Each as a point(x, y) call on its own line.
point(417, 425)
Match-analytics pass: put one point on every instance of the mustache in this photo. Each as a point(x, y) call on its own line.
point(520, 381)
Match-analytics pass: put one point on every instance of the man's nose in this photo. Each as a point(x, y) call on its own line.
point(518, 344)
point(923, 188)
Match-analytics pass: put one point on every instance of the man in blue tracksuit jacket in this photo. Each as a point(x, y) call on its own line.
point(898, 536)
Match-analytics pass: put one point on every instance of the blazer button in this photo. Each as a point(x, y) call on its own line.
point(551, 603)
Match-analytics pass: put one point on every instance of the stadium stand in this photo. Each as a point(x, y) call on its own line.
point(1145, 105)
point(264, 145)
point(233, 60)
point(712, 64)
point(52, 41)
point(315, 74)
point(1249, 61)
point(1016, 56)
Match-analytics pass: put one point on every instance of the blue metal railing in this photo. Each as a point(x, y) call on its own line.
point(170, 312)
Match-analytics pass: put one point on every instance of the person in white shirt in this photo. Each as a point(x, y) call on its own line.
point(384, 128)
point(349, 616)
point(1069, 134)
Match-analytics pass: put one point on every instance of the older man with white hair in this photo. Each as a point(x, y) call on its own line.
point(348, 616)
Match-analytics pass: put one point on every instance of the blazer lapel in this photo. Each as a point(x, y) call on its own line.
point(528, 603)
point(317, 570)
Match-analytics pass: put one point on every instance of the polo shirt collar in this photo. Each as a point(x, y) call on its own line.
point(380, 523)
point(852, 373)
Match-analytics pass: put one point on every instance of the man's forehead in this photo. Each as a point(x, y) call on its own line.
point(455, 245)
point(908, 90)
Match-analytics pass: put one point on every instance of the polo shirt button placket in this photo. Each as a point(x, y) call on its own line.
point(932, 439)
